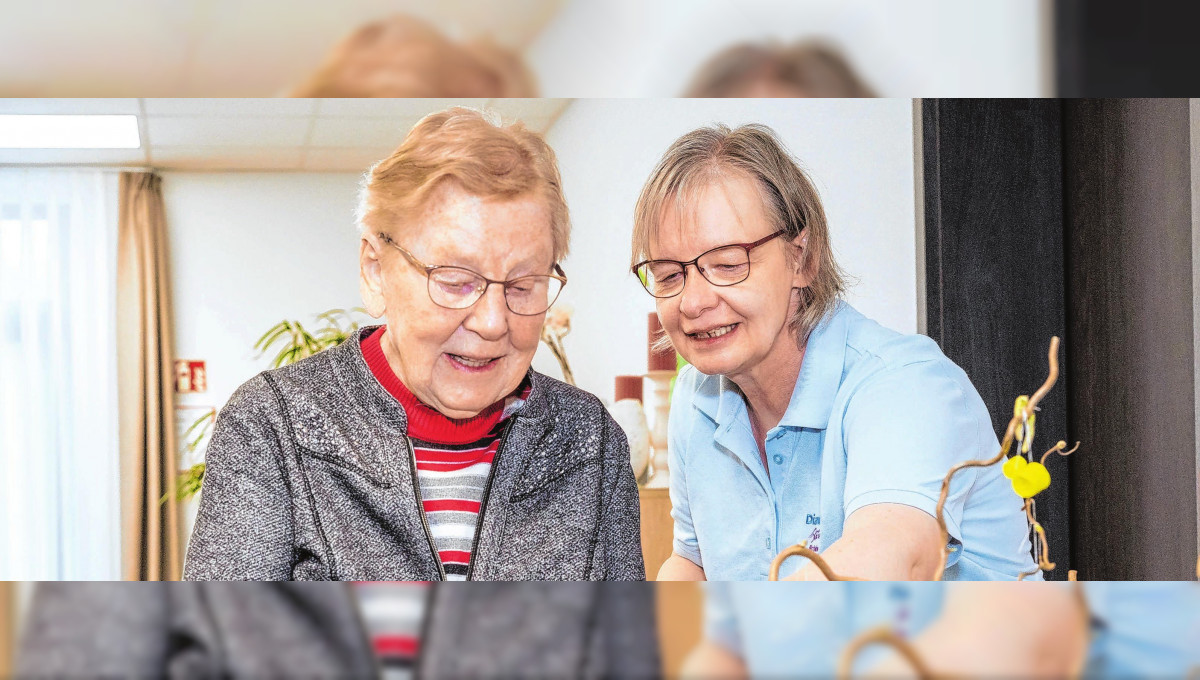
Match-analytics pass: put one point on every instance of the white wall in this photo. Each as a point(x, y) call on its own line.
point(930, 48)
point(251, 249)
point(859, 154)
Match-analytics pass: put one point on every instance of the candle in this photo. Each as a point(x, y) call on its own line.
point(629, 387)
point(658, 361)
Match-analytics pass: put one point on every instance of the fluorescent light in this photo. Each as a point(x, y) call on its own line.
point(69, 132)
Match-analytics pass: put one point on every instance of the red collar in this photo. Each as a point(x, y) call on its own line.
point(425, 422)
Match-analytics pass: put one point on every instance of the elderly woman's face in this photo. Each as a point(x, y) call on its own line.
point(728, 330)
point(460, 361)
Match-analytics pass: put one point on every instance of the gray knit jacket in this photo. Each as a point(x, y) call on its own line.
point(311, 476)
point(314, 630)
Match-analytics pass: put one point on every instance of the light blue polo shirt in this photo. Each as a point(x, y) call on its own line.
point(876, 417)
point(1138, 629)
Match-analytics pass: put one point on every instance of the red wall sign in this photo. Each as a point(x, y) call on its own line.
point(190, 377)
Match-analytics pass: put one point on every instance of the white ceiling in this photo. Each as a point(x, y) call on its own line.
point(260, 134)
point(226, 48)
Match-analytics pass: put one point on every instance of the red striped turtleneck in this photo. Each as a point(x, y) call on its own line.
point(453, 459)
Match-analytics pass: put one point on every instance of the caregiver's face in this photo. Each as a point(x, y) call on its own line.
point(460, 361)
point(728, 330)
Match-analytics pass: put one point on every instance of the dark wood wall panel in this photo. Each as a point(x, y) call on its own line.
point(1130, 368)
point(995, 267)
point(1116, 48)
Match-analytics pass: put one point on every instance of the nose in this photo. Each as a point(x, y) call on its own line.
point(698, 295)
point(489, 315)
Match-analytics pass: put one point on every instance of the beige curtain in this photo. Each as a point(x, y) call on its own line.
point(145, 354)
point(8, 626)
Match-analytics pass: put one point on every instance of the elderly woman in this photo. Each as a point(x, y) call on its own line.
point(799, 418)
point(426, 448)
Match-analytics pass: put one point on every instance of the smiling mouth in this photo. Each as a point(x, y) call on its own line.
point(472, 362)
point(713, 333)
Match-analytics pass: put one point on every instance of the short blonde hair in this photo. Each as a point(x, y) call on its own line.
point(709, 154)
point(465, 146)
point(402, 56)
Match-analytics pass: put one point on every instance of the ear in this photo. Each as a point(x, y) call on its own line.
point(370, 276)
point(806, 265)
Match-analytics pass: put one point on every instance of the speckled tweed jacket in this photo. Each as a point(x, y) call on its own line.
point(314, 630)
point(311, 476)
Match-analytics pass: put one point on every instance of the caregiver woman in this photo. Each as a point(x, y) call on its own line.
point(426, 448)
point(799, 418)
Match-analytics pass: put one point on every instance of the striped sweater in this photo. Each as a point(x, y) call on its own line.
point(393, 614)
point(453, 460)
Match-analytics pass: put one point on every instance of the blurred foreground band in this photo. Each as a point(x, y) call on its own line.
point(396, 630)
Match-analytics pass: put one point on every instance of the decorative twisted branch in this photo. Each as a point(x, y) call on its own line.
point(1043, 564)
point(1005, 446)
point(555, 344)
point(1059, 447)
point(553, 332)
point(801, 549)
point(881, 636)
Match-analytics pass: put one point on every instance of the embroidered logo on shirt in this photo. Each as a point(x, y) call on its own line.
point(813, 538)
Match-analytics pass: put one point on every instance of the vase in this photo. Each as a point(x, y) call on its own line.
point(630, 415)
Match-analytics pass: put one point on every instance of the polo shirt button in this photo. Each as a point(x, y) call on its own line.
point(778, 459)
point(768, 543)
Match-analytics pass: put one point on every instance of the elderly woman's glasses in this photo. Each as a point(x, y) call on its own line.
point(721, 266)
point(459, 288)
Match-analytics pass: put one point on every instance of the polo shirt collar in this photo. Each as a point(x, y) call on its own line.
point(714, 397)
point(820, 373)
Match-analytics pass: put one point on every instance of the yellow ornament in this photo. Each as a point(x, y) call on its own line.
point(1024, 431)
point(1028, 479)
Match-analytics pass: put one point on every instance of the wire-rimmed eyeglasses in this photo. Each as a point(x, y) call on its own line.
point(459, 288)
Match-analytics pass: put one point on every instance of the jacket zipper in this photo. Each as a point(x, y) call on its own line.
point(412, 464)
point(487, 491)
point(426, 624)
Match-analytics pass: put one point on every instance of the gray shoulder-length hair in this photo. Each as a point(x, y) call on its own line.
point(814, 67)
point(792, 204)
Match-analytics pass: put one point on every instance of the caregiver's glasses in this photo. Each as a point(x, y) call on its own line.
point(459, 288)
point(721, 266)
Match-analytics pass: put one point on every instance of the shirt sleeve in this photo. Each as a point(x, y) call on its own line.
point(678, 428)
point(720, 620)
point(904, 429)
